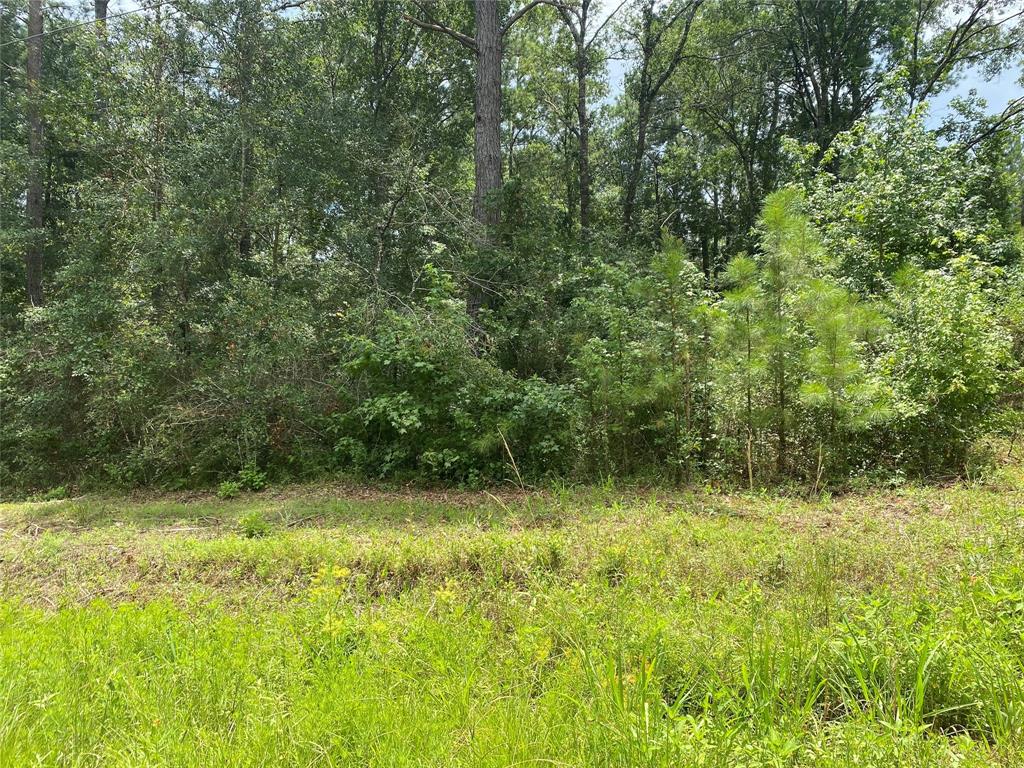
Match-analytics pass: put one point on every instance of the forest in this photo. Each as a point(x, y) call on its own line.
point(511, 383)
point(741, 242)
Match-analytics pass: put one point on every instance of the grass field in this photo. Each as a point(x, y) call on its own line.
point(336, 627)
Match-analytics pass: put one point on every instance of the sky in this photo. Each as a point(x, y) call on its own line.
point(997, 92)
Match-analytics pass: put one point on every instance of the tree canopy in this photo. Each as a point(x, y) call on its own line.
point(441, 239)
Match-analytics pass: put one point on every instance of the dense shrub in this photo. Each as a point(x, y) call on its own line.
point(877, 326)
point(640, 366)
point(418, 400)
point(949, 358)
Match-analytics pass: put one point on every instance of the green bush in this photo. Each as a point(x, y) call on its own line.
point(949, 359)
point(228, 489)
point(253, 525)
point(251, 478)
point(420, 400)
point(56, 494)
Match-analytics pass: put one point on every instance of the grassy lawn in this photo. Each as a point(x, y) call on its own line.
point(331, 626)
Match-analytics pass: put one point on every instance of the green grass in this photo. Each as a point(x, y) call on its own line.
point(331, 627)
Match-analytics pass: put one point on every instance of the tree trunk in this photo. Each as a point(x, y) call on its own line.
point(783, 445)
point(158, 123)
point(100, 7)
point(635, 168)
point(487, 133)
point(582, 113)
point(584, 149)
point(487, 136)
point(245, 192)
point(34, 192)
point(100, 16)
point(248, 42)
point(650, 85)
point(572, 180)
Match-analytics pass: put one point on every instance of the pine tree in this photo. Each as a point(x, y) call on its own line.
point(741, 303)
point(837, 386)
point(677, 292)
point(789, 244)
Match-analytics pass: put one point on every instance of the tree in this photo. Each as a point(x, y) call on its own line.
point(677, 294)
point(661, 38)
point(577, 17)
point(889, 194)
point(837, 385)
point(740, 343)
point(732, 99)
point(486, 46)
point(789, 245)
point(944, 37)
point(838, 54)
point(34, 204)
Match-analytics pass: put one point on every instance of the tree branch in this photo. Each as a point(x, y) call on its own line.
point(1014, 111)
point(608, 18)
point(567, 19)
point(677, 54)
point(435, 26)
point(523, 11)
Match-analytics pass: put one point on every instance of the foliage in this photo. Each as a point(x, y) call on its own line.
point(796, 349)
point(417, 399)
point(639, 365)
point(844, 396)
point(899, 198)
point(950, 359)
point(262, 262)
point(228, 489)
point(252, 479)
point(253, 525)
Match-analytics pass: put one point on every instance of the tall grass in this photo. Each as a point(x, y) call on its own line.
point(644, 636)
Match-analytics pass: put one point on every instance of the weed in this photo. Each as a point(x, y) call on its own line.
point(229, 489)
point(251, 478)
point(253, 525)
